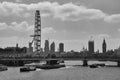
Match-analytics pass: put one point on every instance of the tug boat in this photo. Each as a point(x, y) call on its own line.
point(3, 68)
point(27, 68)
point(52, 64)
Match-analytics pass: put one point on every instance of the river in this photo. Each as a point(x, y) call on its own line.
point(71, 72)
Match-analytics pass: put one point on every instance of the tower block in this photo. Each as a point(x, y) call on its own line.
point(37, 33)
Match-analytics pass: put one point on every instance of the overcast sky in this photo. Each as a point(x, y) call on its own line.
point(72, 22)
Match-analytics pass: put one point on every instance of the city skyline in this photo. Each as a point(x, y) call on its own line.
point(70, 22)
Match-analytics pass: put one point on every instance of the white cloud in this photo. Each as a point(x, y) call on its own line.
point(3, 26)
point(10, 8)
point(18, 0)
point(23, 26)
point(74, 12)
point(112, 18)
point(99, 36)
point(67, 11)
point(48, 30)
point(104, 36)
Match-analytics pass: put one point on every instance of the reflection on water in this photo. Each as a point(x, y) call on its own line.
point(71, 72)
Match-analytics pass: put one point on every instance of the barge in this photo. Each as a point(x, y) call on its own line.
point(51, 64)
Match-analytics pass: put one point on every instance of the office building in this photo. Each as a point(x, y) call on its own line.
point(61, 47)
point(30, 49)
point(52, 47)
point(91, 46)
point(46, 47)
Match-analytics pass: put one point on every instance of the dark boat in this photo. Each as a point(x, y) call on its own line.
point(97, 65)
point(51, 64)
point(12, 63)
point(101, 64)
point(3, 68)
point(94, 66)
point(27, 68)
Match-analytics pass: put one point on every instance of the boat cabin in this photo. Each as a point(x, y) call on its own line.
point(52, 62)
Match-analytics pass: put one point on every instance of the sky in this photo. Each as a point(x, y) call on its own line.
point(72, 22)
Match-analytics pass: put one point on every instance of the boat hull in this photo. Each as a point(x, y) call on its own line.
point(27, 69)
point(3, 68)
point(49, 66)
point(93, 66)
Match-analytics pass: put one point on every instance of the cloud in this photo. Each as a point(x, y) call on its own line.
point(74, 12)
point(99, 36)
point(11, 8)
point(21, 10)
point(112, 18)
point(23, 26)
point(67, 11)
point(18, 0)
point(3, 26)
point(48, 30)
point(104, 36)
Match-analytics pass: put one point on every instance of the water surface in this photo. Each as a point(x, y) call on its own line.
point(69, 73)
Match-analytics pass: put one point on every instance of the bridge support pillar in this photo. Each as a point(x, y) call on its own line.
point(118, 63)
point(85, 62)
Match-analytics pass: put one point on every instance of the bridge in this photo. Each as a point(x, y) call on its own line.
point(44, 59)
point(22, 61)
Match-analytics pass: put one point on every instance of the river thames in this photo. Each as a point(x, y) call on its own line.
point(71, 72)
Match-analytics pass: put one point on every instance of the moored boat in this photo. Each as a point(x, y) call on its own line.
point(27, 68)
point(93, 66)
point(3, 68)
point(97, 65)
point(51, 64)
point(101, 64)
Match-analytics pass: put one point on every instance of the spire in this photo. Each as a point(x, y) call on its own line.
point(104, 40)
point(104, 46)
